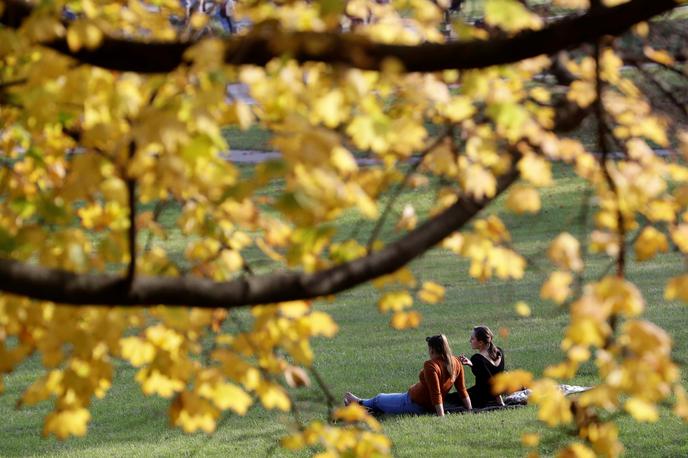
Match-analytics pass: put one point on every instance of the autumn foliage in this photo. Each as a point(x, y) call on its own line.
point(109, 118)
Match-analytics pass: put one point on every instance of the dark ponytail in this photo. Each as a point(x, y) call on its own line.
point(484, 335)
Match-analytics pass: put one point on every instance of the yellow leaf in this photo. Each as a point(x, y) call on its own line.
point(329, 108)
point(273, 396)
point(522, 309)
point(293, 442)
point(661, 57)
point(155, 382)
point(68, 422)
point(677, 288)
point(354, 413)
point(564, 370)
point(557, 287)
point(294, 309)
point(510, 119)
point(572, 4)
point(43, 388)
point(322, 324)
point(582, 93)
point(530, 439)
point(622, 296)
point(403, 276)
point(510, 15)
point(454, 243)
point(83, 33)
point(198, 20)
point(661, 211)
point(649, 243)
point(564, 251)
point(492, 228)
point(343, 160)
point(642, 29)
point(604, 242)
point(554, 408)
point(523, 199)
point(535, 169)
point(510, 381)
point(645, 337)
point(191, 413)
point(405, 320)
point(431, 292)
point(459, 109)
point(611, 3)
point(479, 182)
point(642, 410)
point(578, 353)
point(136, 350)
point(226, 396)
point(576, 450)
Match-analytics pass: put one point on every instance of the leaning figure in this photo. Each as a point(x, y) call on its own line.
point(439, 373)
point(485, 364)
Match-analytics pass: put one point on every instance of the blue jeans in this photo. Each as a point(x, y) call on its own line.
point(393, 403)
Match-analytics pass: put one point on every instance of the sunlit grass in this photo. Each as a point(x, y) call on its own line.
point(367, 357)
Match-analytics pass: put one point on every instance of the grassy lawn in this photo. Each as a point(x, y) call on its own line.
point(367, 357)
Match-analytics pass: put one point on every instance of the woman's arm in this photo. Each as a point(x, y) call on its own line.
point(439, 409)
point(467, 403)
point(460, 386)
point(432, 382)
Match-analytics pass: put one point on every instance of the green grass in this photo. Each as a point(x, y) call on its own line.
point(255, 138)
point(367, 357)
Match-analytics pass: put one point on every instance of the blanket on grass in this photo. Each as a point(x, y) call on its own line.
point(513, 400)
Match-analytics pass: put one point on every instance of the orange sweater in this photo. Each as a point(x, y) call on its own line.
point(435, 383)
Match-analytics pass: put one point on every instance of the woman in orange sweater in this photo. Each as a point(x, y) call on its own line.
point(439, 373)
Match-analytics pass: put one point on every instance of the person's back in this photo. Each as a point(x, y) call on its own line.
point(435, 381)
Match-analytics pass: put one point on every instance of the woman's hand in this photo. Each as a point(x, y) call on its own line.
point(465, 361)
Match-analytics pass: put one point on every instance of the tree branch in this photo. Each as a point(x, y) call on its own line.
point(266, 42)
point(131, 197)
point(666, 92)
point(62, 286)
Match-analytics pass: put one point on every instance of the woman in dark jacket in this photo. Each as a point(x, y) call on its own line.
point(488, 362)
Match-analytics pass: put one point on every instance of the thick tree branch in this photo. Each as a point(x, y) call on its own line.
point(266, 42)
point(61, 286)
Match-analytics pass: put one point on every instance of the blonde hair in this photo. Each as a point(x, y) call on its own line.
point(440, 345)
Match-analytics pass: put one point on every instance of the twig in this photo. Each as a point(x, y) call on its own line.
point(294, 408)
point(157, 211)
point(397, 191)
point(583, 219)
point(635, 61)
point(604, 149)
point(665, 91)
point(17, 82)
point(329, 397)
point(131, 191)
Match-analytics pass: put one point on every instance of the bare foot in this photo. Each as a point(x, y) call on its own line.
point(349, 398)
